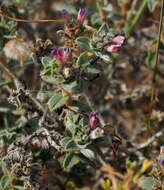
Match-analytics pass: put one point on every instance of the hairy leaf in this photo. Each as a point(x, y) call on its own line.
point(80, 107)
point(84, 43)
point(70, 160)
point(88, 153)
point(57, 101)
point(71, 146)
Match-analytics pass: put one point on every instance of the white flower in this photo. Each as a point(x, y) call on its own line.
point(96, 133)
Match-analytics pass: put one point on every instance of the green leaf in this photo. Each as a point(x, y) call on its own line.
point(4, 167)
point(46, 61)
point(114, 16)
point(148, 182)
point(82, 122)
point(71, 146)
point(84, 43)
point(108, 8)
point(80, 107)
point(33, 123)
point(21, 122)
point(152, 4)
point(64, 141)
point(83, 59)
point(83, 145)
point(46, 71)
point(150, 60)
point(94, 69)
point(18, 2)
point(3, 83)
point(70, 126)
point(51, 79)
point(6, 107)
point(104, 28)
point(120, 2)
point(96, 19)
point(72, 116)
point(88, 153)
point(76, 87)
point(69, 7)
point(19, 187)
point(106, 57)
point(7, 134)
point(57, 101)
point(104, 141)
point(70, 160)
point(72, 119)
point(75, 118)
point(5, 181)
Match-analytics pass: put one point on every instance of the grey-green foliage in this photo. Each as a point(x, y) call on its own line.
point(151, 4)
point(147, 183)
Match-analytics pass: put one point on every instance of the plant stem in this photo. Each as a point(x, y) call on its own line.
point(136, 19)
point(156, 67)
point(30, 21)
point(103, 14)
point(124, 9)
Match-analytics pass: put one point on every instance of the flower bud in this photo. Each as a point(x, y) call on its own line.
point(66, 16)
point(93, 120)
point(81, 16)
point(68, 55)
point(63, 56)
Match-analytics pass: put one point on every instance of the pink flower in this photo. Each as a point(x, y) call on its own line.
point(66, 16)
point(81, 16)
point(63, 57)
point(93, 120)
point(119, 40)
point(116, 44)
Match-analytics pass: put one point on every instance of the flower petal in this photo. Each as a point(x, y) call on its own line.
point(114, 48)
point(81, 16)
point(119, 40)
